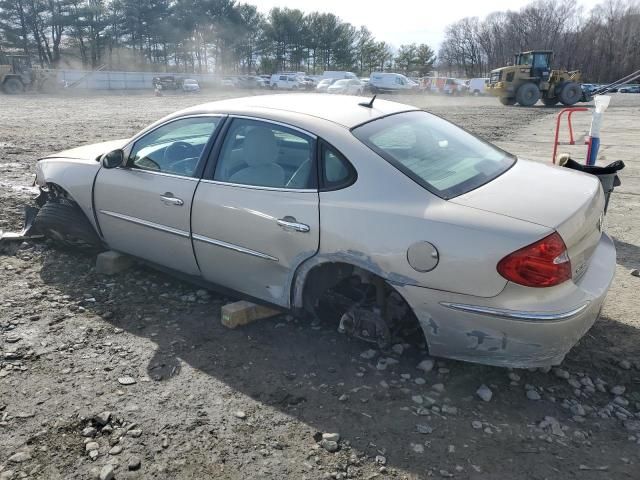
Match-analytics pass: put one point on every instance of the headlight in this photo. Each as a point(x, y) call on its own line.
point(39, 180)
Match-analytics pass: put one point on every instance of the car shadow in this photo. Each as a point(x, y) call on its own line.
point(311, 373)
point(628, 254)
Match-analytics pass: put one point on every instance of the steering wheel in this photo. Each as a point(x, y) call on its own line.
point(186, 166)
point(178, 151)
point(299, 172)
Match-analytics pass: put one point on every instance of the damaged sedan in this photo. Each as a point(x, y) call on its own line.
point(376, 214)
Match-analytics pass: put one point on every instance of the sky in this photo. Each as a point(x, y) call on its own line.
point(414, 21)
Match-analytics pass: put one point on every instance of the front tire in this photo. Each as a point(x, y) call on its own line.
point(65, 224)
point(12, 86)
point(570, 93)
point(528, 94)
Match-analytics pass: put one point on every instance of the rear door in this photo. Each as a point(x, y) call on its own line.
point(143, 208)
point(255, 216)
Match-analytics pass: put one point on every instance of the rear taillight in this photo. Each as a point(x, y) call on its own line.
point(541, 264)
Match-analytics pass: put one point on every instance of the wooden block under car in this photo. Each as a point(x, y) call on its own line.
point(240, 313)
point(111, 263)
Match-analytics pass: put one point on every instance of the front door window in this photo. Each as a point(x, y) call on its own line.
point(175, 147)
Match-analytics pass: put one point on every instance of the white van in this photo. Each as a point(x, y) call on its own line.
point(477, 86)
point(287, 81)
point(338, 74)
point(380, 82)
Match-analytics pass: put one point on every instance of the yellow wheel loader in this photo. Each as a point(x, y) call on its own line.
point(531, 78)
point(17, 75)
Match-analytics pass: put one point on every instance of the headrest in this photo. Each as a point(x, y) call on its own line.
point(260, 147)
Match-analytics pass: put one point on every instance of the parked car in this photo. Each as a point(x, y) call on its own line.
point(250, 82)
point(496, 259)
point(444, 85)
point(287, 81)
point(190, 85)
point(476, 86)
point(228, 82)
point(391, 82)
point(324, 84)
point(267, 80)
point(167, 82)
point(309, 83)
point(630, 89)
point(463, 87)
point(348, 87)
point(338, 74)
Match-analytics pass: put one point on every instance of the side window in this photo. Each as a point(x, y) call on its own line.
point(337, 172)
point(282, 77)
point(266, 155)
point(175, 147)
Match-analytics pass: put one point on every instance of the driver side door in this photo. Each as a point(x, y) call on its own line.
point(143, 207)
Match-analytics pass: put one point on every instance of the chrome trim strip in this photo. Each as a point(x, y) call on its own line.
point(146, 223)
point(275, 122)
point(234, 247)
point(516, 314)
point(162, 174)
point(258, 187)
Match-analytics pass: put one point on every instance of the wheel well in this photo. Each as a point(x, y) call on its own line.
point(55, 192)
point(333, 290)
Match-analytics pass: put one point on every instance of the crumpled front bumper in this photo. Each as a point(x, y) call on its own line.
point(521, 327)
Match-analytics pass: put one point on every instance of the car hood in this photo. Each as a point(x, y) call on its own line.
point(570, 202)
point(90, 152)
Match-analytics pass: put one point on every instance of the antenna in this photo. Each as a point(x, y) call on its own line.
point(368, 104)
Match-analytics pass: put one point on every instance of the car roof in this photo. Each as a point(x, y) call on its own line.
point(341, 109)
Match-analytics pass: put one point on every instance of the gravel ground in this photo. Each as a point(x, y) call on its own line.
point(133, 375)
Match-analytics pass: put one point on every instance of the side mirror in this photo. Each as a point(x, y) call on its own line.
point(113, 159)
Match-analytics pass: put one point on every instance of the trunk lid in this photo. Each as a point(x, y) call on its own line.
point(570, 202)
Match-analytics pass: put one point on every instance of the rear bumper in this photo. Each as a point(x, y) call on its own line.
point(521, 327)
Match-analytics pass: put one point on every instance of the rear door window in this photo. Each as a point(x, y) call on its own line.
point(265, 154)
point(337, 172)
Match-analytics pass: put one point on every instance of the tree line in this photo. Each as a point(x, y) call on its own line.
point(224, 36)
point(603, 43)
point(220, 36)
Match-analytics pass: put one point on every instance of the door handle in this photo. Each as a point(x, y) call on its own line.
point(291, 224)
point(169, 199)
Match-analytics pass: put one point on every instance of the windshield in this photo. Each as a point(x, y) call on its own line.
point(438, 155)
point(341, 83)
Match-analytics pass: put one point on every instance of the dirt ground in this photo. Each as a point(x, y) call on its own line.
point(136, 372)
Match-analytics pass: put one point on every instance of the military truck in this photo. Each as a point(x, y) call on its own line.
point(17, 75)
point(530, 78)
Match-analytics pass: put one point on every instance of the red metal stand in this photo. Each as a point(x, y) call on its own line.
point(569, 111)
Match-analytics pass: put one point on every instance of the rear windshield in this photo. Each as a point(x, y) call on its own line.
point(443, 158)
